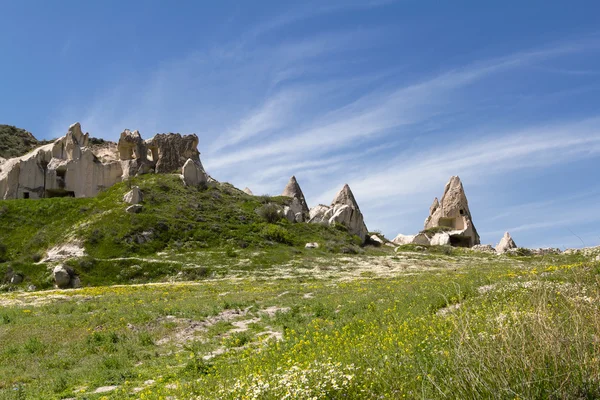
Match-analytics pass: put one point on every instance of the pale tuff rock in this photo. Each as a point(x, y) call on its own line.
point(343, 210)
point(298, 204)
point(64, 277)
point(376, 238)
point(68, 167)
point(312, 245)
point(171, 151)
point(288, 214)
point(440, 239)
point(506, 243)
point(401, 239)
point(134, 196)
point(193, 173)
point(248, 191)
point(452, 211)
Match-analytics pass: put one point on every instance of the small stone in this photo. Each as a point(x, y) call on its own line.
point(134, 196)
point(312, 245)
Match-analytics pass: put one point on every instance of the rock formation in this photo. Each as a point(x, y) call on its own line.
point(343, 210)
point(248, 191)
point(171, 151)
point(298, 206)
point(452, 211)
point(65, 277)
point(68, 167)
point(134, 196)
point(193, 173)
point(506, 243)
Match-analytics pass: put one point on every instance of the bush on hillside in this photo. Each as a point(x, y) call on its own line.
point(276, 233)
point(3, 252)
point(269, 212)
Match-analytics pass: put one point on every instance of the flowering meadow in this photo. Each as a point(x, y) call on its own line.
point(458, 326)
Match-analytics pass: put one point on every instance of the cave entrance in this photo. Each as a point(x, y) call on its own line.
point(460, 241)
point(26, 195)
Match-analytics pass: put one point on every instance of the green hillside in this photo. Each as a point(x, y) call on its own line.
point(15, 142)
point(198, 232)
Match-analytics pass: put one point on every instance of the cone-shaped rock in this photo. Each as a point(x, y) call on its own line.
point(506, 243)
point(293, 190)
point(452, 211)
point(347, 212)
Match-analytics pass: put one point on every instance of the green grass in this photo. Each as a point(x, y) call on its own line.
point(194, 230)
point(457, 327)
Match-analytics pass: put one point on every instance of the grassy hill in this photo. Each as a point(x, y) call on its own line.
point(181, 231)
point(15, 142)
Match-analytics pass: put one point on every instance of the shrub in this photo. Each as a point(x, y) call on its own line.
point(269, 212)
point(276, 233)
point(264, 199)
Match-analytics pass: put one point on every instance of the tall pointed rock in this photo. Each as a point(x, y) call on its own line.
point(453, 212)
point(506, 243)
point(347, 212)
point(292, 189)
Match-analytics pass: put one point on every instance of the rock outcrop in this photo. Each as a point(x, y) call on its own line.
point(193, 173)
point(452, 211)
point(64, 168)
point(343, 210)
point(69, 168)
point(134, 196)
point(248, 191)
point(298, 205)
point(65, 277)
point(171, 151)
point(506, 243)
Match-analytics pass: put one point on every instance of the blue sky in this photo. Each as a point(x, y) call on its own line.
point(391, 97)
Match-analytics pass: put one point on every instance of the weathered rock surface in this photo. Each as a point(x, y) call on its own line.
point(72, 249)
point(69, 168)
point(484, 248)
point(193, 173)
point(343, 210)
point(171, 151)
point(377, 239)
point(64, 277)
point(453, 211)
point(134, 196)
point(298, 204)
point(313, 245)
point(248, 191)
point(506, 243)
point(440, 239)
point(401, 239)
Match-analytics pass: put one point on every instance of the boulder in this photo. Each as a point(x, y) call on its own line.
point(440, 239)
point(135, 209)
point(248, 191)
point(62, 276)
point(506, 243)
point(313, 245)
point(377, 239)
point(298, 204)
point(193, 173)
point(453, 211)
point(134, 196)
point(16, 279)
